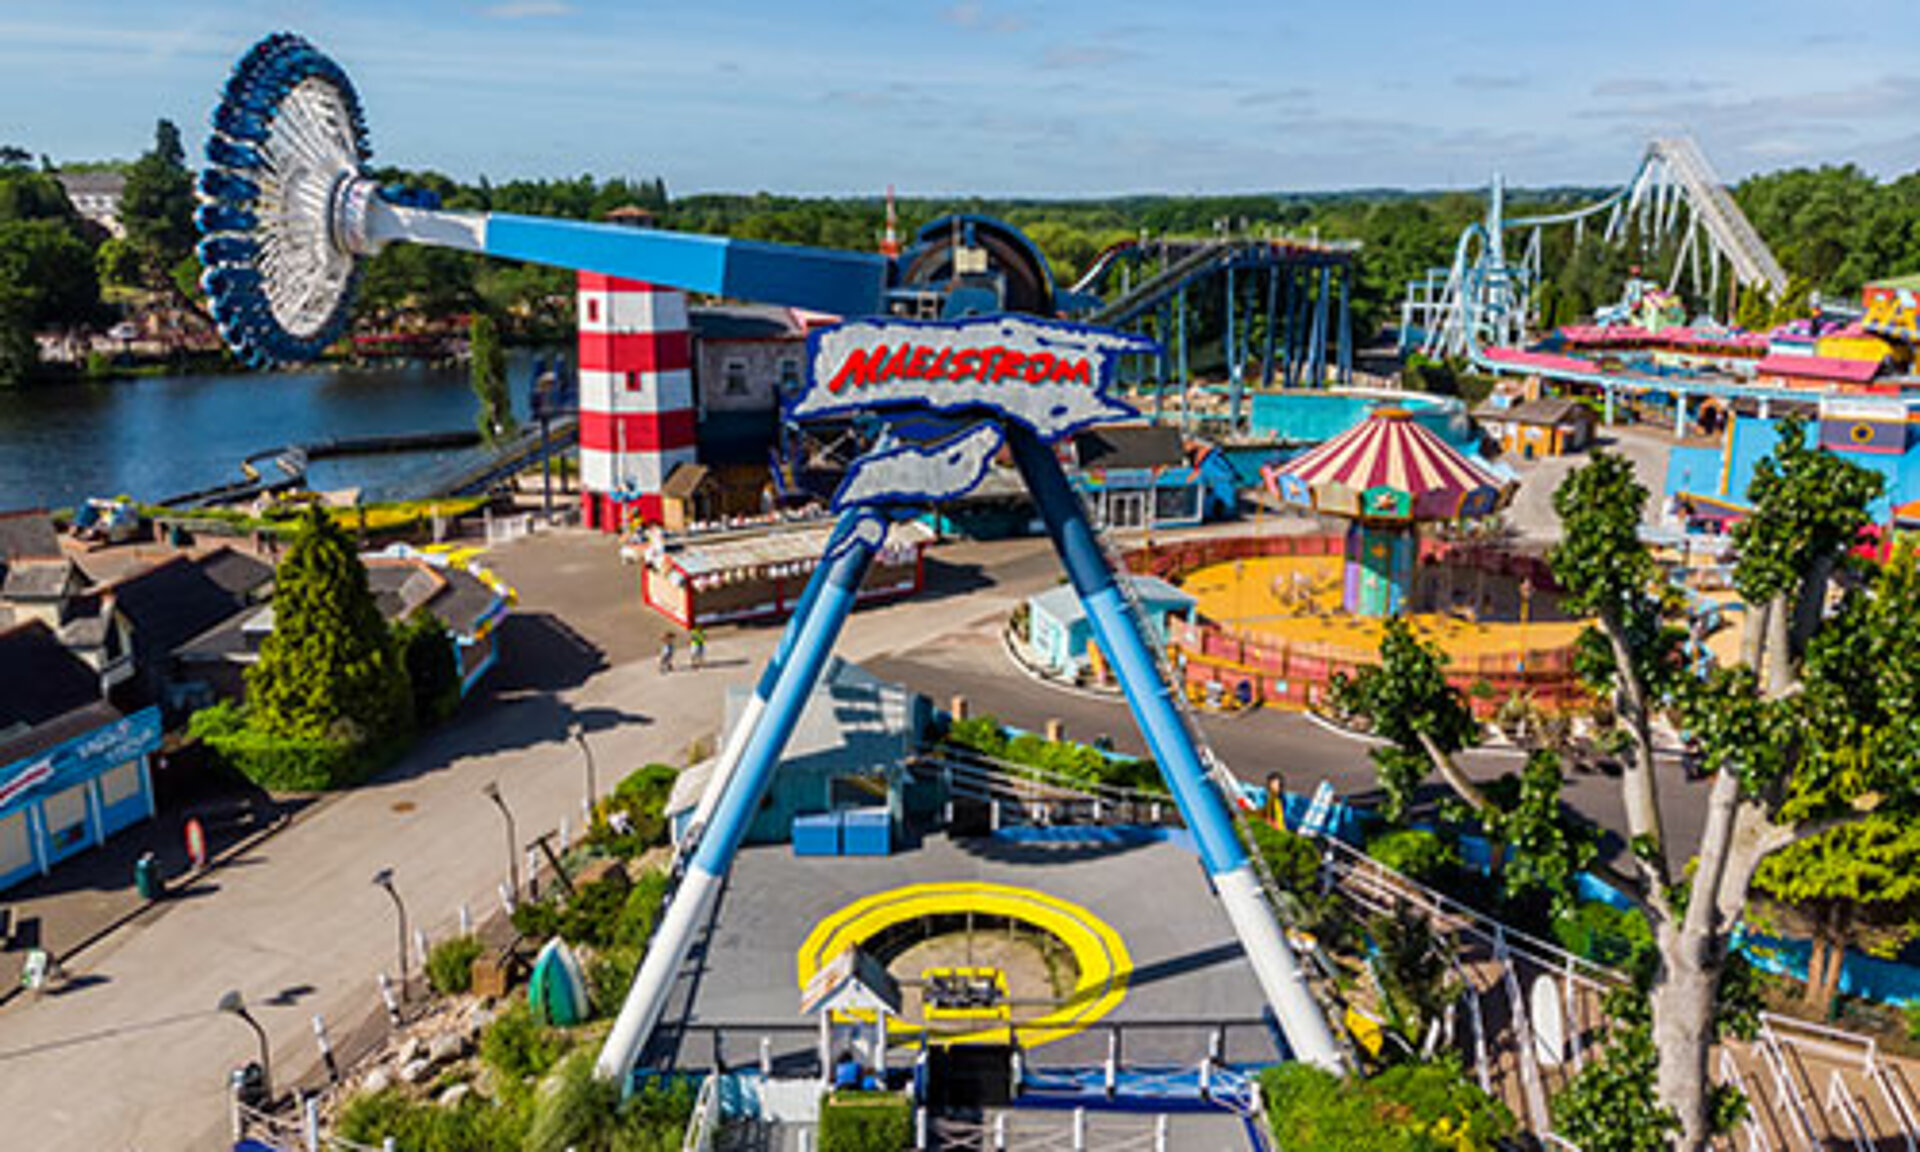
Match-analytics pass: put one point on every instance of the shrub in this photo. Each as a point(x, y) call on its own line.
point(517, 1046)
point(1911, 1010)
point(426, 648)
point(1414, 852)
point(1409, 1108)
point(472, 1126)
point(610, 975)
point(642, 798)
point(450, 964)
point(1293, 859)
point(1619, 938)
point(281, 763)
point(982, 734)
point(865, 1122)
point(641, 909)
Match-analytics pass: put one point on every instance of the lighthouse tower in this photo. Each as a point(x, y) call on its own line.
point(636, 398)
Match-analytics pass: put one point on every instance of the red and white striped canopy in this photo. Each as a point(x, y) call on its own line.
point(1391, 467)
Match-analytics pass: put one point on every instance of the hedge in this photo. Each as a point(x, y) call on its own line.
point(865, 1122)
point(450, 964)
point(277, 763)
point(1408, 1108)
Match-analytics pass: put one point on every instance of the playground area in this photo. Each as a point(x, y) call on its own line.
point(1471, 613)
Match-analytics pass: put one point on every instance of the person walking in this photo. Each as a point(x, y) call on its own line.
point(666, 653)
point(697, 647)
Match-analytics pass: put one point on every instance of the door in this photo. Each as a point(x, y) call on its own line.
point(1126, 509)
point(16, 851)
point(64, 815)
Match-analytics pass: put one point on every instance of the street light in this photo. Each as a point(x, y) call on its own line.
point(232, 1004)
point(384, 879)
point(492, 792)
point(579, 733)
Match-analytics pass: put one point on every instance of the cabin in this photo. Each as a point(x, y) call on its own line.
point(1060, 639)
point(1539, 428)
point(1144, 476)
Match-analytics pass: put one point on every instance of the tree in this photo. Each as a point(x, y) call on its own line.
point(157, 204)
point(489, 377)
point(1610, 1105)
point(426, 648)
point(1418, 713)
point(1786, 766)
point(19, 354)
point(1549, 845)
point(1867, 874)
point(329, 670)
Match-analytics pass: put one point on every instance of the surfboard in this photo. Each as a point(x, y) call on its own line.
point(1549, 1022)
point(556, 990)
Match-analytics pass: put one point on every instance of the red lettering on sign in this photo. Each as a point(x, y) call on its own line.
point(917, 365)
point(856, 369)
point(964, 364)
point(1039, 365)
point(939, 369)
point(1073, 371)
point(1009, 365)
point(897, 367)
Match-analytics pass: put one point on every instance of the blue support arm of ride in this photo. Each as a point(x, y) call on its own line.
point(849, 553)
point(843, 283)
point(1113, 627)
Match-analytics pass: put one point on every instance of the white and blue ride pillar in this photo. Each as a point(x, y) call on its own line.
point(811, 634)
point(1201, 805)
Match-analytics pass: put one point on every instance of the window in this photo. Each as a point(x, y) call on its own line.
point(633, 381)
point(736, 379)
point(789, 376)
point(1176, 504)
point(593, 310)
point(119, 783)
point(15, 851)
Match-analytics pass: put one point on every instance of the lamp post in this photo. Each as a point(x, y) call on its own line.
point(492, 792)
point(232, 1004)
point(579, 733)
point(384, 879)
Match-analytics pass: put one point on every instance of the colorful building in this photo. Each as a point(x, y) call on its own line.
point(74, 768)
point(1874, 432)
point(1060, 638)
point(759, 574)
point(1537, 428)
point(1146, 476)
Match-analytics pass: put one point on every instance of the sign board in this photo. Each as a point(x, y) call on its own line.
point(1049, 375)
point(124, 739)
point(1549, 1022)
point(196, 842)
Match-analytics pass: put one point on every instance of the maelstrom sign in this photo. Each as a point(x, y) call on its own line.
point(1049, 375)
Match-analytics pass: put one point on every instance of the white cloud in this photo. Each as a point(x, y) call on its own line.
point(528, 9)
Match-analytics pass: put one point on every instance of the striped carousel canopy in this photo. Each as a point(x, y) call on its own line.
point(1390, 467)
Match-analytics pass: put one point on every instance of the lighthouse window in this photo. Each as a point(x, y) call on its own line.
point(593, 311)
point(633, 381)
point(736, 381)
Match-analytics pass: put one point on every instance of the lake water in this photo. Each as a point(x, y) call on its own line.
point(162, 436)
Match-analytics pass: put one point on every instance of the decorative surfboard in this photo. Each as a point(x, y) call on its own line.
point(1549, 1022)
point(557, 991)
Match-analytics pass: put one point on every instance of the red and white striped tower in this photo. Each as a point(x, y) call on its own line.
point(636, 397)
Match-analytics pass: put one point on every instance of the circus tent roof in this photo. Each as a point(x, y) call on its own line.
point(1391, 467)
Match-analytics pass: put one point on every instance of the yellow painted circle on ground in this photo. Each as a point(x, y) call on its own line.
point(1097, 949)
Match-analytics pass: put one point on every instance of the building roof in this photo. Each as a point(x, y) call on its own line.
point(1130, 446)
point(1552, 411)
point(42, 580)
point(1818, 368)
point(105, 182)
point(684, 481)
point(27, 535)
point(748, 551)
point(39, 680)
point(1390, 450)
point(239, 574)
point(457, 598)
point(1896, 283)
point(170, 603)
point(1063, 604)
point(744, 322)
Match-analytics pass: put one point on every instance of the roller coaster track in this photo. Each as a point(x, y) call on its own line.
point(1673, 196)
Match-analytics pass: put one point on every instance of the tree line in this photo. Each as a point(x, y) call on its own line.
point(1834, 228)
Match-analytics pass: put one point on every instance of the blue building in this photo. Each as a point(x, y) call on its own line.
point(1874, 432)
point(1145, 476)
point(74, 768)
point(1060, 639)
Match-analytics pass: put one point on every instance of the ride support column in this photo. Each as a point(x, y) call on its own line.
point(857, 537)
point(1201, 806)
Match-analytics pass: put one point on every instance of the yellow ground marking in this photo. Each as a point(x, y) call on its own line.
point(459, 555)
point(1097, 949)
point(1296, 600)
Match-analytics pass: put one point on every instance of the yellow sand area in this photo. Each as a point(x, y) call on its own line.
point(1296, 600)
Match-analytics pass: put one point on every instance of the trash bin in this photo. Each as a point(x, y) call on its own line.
point(146, 877)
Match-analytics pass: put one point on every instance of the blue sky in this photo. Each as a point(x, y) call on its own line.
point(980, 96)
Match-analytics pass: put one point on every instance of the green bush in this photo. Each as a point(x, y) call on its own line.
point(1616, 937)
point(1080, 762)
point(426, 648)
point(1293, 859)
point(641, 909)
point(1911, 1010)
point(642, 797)
point(607, 912)
point(450, 964)
point(610, 975)
point(517, 1046)
point(865, 1122)
point(982, 734)
point(1408, 1108)
point(1414, 852)
point(472, 1126)
point(280, 764)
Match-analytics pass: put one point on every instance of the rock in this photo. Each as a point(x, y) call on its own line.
point(415, 1071)
point(479, 1020)
point(456, 1093)
point(446, 1048)
point(378, 1080)
point(412, 1050)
